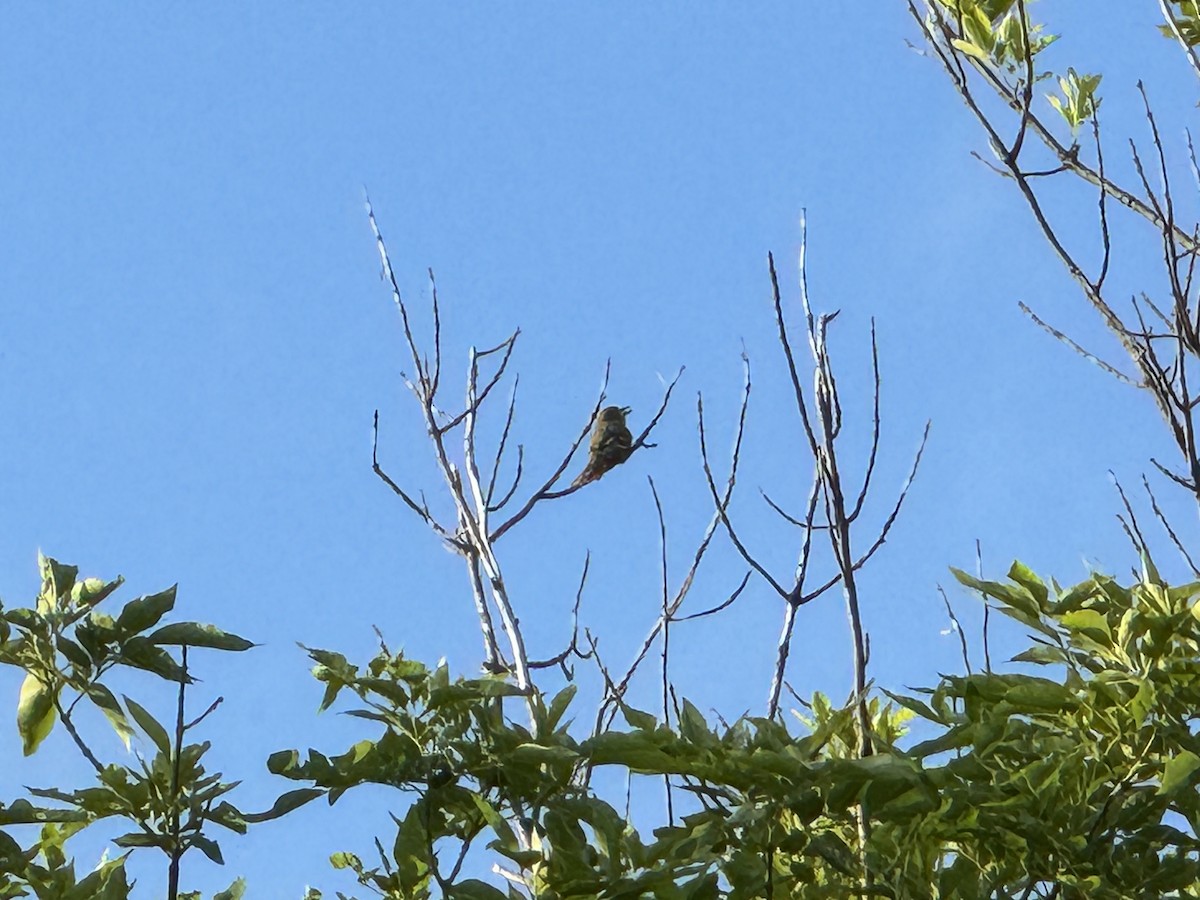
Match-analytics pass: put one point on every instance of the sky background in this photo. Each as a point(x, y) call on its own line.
point(194, 337)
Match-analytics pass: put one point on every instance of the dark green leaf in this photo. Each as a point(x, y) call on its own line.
point(209, 848)
point(197, 634)
point(473, 889)
point(75, 654)
point(140, 653)
point(285, 804)
point(150, 725)
point(144, 612)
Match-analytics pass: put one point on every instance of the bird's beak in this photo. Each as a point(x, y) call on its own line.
point(626, 410)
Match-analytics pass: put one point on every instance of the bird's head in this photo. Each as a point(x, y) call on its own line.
point(615, 414)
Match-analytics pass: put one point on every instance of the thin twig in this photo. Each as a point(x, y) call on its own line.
point(957, 627)
point(666, 637)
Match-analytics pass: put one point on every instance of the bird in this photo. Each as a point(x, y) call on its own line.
point(611, 444)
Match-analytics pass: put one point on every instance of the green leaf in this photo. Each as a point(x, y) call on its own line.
point(209, 848)
point(1149, 569)
point(970, 49)
point(103, 699)
point(504, 833)
point(140, 653)
point(234, 892)
point(921, 708)
point(224, 813)
point(1043, 655)
point(29, 620)
point(144, 612)
point(639, 751)
point(559, 705)
point(473, 889)
point(106, 882)
point(197, 634)
point(537, 753)
point(57, 581)
point(22, 812)
point(1024, 576)
point(74, 653)
point(285, 804)
point(36, 713)
point(1092, 623)
point(1178, 772)
point(1039, 694)
point(692, 726)
point(638, 719)
point(91, 591)
point(141, 839)
point(150, 725)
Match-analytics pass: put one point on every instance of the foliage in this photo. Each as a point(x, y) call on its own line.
point(1077, 783)
point(66, 646)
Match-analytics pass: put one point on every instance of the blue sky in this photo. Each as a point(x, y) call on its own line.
point(194, 336)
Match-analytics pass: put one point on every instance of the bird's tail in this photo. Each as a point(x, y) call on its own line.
point(587, 476)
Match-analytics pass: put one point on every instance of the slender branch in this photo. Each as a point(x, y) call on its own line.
point(723, 605)
point(1090, 357)
point(956, 626)
point(1167, 527)
point(875, 426)
point(666, 638)
point(987, 609)
point(722, 503)
point(422, 508)
point(507, 346)
point(508, 420)
point(177, 848)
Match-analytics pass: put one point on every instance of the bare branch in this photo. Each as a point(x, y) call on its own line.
point(1179, 480)
point(725, 604)
point(887, 525)
point(505, 345)
point(1090, 357)
point(689, 578)
point(572, 648)
point(1132, 529)
point(875, 427)
point(508, 420)
point(397, 298)
point(721, 511)
point(1167, 527)
point(436, 378)
point(957, 627)
point(422, 508)
point(787, 517)
point(666, 635)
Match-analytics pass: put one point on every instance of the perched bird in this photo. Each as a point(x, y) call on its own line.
point(611, 444)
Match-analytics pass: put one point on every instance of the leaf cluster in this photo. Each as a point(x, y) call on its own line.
point(66, 646)
point(1079, 782)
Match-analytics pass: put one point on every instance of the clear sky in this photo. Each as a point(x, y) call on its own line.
point(194, 336)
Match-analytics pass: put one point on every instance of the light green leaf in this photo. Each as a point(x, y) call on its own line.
point(1178, 772)
point(35, 712)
